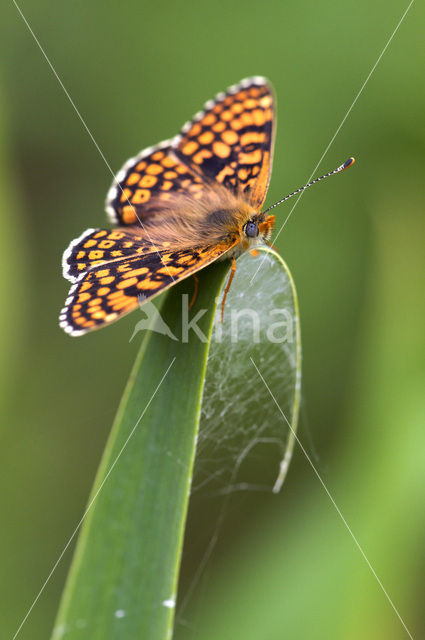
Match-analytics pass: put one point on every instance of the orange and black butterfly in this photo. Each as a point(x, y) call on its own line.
point(177, 207)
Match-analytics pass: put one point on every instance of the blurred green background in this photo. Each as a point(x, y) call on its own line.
point(285, 566)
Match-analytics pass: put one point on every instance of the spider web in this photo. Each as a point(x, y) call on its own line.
point(244, 444)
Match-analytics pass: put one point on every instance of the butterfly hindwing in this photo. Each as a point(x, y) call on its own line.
point(110, 290)
point(147, 180)
point(231, 141)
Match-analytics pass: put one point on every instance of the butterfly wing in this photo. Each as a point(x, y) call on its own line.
point(109, 290)
point(101, 246)
point(232, 140)
point(147, 180)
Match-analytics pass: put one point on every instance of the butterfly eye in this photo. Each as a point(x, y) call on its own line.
point(251, 229)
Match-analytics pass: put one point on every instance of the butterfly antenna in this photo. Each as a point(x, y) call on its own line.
point(347, 163)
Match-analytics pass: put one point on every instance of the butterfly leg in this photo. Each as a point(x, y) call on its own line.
point(195, 290)
point(232, 273)
point(269, 244)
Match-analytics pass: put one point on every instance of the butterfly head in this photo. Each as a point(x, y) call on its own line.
point(259, 225)
point(251, 229)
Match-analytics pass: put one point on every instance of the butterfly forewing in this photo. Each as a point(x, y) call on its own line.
point(231, 141)
point(110, 290)
point(101, 246)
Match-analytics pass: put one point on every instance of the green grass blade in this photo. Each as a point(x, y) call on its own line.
point(124, 574)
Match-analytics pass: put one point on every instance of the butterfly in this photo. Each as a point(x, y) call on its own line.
point(176, 208)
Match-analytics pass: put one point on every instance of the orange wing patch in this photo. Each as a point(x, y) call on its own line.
point(146, 181)
point(232, 140)
point(110, 290)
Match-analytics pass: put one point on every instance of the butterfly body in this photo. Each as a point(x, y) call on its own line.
point(184, 221)
point(177, 207)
